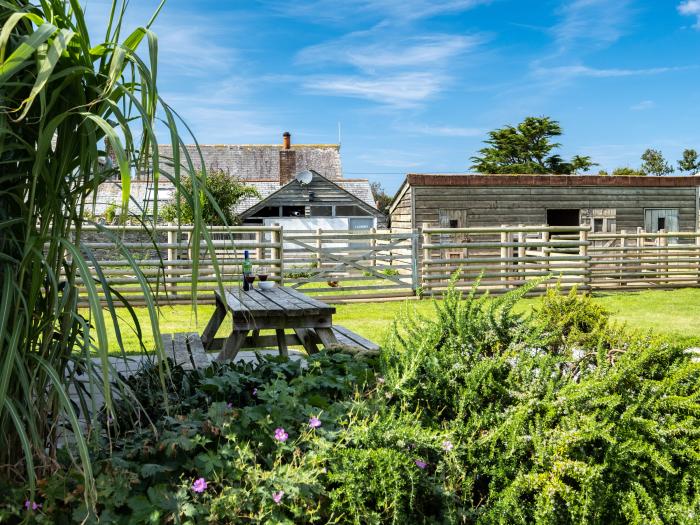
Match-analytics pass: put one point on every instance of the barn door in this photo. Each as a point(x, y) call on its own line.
point(661, 219)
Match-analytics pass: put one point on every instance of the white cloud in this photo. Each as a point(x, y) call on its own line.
point(399, 91)
point(591, 23)
point(442, 131)
point(397, 10)
point(691, 8)
point(383, 52)
point(644, 104)
point(560, 73)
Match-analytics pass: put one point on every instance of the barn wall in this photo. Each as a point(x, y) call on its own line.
point(493, 206)
point(401, 216)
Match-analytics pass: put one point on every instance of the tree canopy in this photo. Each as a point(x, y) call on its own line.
point(690, 162)
point(224, 190)
point(527, 148)
point(381, 197)
point(654, 163)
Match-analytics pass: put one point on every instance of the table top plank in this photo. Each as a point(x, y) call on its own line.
point(298, 296)
point(278, 301)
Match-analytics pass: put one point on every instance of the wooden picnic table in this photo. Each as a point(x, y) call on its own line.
point(280, 309)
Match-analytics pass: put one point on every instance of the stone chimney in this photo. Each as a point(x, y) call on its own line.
point(288, 159)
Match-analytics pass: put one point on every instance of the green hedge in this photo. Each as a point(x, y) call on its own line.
point(471, 415)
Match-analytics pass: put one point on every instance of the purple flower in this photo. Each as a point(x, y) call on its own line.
point(31, 505)
point(421, 464)
point(447, 445)
point(229, 405)
point(314, 422)
point(255, 391)
point(277, 496)
point(200, 485)
point(281, 435)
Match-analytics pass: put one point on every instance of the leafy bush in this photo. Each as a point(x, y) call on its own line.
point(475, 414)
point(222, 190)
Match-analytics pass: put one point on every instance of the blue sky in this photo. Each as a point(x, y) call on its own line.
point(416, 84)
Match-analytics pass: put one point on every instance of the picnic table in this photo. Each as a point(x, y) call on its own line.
point(279, 309)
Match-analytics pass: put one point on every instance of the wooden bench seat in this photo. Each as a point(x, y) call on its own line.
point(349, 338)
point(186, 349)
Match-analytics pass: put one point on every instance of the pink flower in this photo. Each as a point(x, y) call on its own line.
point(421, 464)
point(277, 496)
point(31, 505)
point(447, 445)
point(281, 435)
point(314, 422)
point(200, 485)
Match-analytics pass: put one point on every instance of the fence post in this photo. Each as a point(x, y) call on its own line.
point(546, 250)
point(172, 256)
point(319, 247)
point(583, 252)
point(522, 237)
point(663, 243)
point(373, 246)
point(622, 258)
point(278, 250)
point(697, 253)
point(504, 255)
point(426, 256)
point(259, 251)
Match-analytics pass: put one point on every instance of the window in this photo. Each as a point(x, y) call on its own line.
point(598, 225)
point(268, 211)
point(454, 223)
point(321, 211)
point(349, 211)
point(563, 217)
point(661, 223)
point(293, 211)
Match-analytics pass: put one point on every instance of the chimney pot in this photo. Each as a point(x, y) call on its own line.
point(287, 140)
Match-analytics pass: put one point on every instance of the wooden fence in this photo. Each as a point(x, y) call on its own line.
point(345, 266)
point(502, 258)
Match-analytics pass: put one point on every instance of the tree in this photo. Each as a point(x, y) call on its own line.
point(627, 172)
point(223, 191)
point(689, 162)
point(381, 197)
point(654, 163)
point(527, 148)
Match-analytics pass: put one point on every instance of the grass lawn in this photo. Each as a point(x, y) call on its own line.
point(674, 314)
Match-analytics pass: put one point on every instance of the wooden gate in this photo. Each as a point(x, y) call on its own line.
point(351, 265)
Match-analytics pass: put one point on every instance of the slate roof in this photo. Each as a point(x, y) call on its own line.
point(260, 162)
point(360, 188)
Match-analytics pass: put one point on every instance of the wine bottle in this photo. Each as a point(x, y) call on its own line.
point(247, 270)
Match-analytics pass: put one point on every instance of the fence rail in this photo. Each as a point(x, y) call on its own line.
point(343, 266)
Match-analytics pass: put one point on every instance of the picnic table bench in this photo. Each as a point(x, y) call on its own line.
point(278, 309)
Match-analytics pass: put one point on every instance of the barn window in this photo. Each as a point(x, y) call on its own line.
point(349, 211)
point(321, 211)
point(268, 211)
point(293, 211)
point(563, 217)
point(598, 225)
point(454, 223)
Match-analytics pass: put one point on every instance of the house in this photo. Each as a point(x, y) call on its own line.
point(301, 186)
point(607, 204)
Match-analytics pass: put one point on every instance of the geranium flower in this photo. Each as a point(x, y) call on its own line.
point(277, 496)
point(200, 485)
point(421, 464)
point(314, 422)
point(281, 435)
point(447, 445)
point(31, 505)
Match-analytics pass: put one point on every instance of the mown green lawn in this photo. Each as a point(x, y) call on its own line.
point(673, 314)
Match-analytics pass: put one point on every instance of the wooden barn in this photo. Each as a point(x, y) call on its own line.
point(607, 204)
